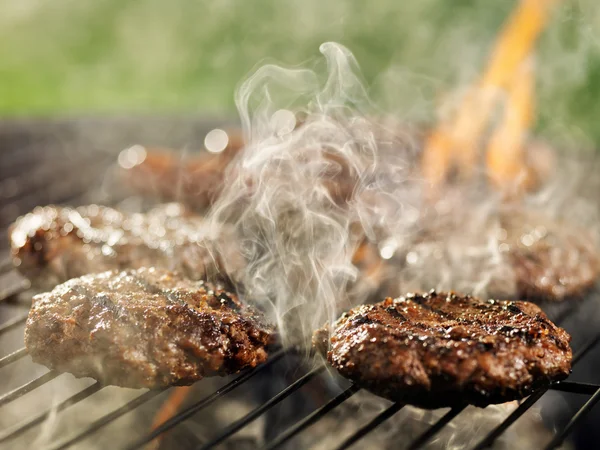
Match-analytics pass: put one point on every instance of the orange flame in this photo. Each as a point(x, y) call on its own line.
point(167, 410)
point(456, 142)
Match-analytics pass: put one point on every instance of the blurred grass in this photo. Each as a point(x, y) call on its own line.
point(62, 57)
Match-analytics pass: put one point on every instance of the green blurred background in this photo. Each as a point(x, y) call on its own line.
point(74, 57)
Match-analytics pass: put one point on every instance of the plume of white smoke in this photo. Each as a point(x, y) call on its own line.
point(302, 195)
point(319, 177)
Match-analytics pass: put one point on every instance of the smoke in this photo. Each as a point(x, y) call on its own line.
point(303, 195)
point(324, 174)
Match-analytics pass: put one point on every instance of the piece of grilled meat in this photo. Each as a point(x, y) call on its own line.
point(194, 180)
point(515, 253)
point(436, 350)
point(145, 328)
point(197, 181)
point(53, 244)
point(551, 260)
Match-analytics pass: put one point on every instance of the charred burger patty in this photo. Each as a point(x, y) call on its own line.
point(144, 328)
point(441, 349)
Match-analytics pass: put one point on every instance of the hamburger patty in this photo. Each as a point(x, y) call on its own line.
point(145, 328)
point(550, 260)
point(54, 244)
point(438, 349)
point(194, 180)
point(513, 253)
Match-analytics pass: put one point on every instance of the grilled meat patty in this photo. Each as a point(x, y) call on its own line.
point(145, 328)
point(170, 176)
point(550, 260)
point(198, 181)
point(53, 244)
point(512, 252)
point(436, 350)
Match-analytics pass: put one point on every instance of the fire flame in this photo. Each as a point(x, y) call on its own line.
point(456, 141)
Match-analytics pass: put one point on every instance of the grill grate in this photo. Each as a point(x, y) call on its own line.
point(48, 187)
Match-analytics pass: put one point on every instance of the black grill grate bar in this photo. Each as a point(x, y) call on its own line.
point(586, 348)
point(18, 429)
point(28, 387)
point(44, 174)
point(490, 438)
point(436, 427)
point(366, 429)
point(108, 418)
point(575, 387)
point(564, 315)
point(521, 409)
point(6, 265)
point(206, 401)
point(13, 323)
point(512, 418)
point(14, 356)
point(59, 192)
point(583, 411)
point(14, 289)
point(311, 418)
point(251, 416)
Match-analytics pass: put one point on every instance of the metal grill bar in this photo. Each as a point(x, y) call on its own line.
point(14, 356)
point(40, 177)
point(563, 315)
point(14, 289)
point(585, 409)
point(18, 429)
point(60, 193)
point(436, 427)
point(490, 438)
point(20, 161)
point(28, 387)
point(311, 418)
point(105, 420)
point(512, 418)
point(378, 420)
point(575, 388)
point(248, 418)
point(5, 265)
point(190, 411)
point(586, 348)
point(13, 323)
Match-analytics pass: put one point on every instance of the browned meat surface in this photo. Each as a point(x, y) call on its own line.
point(437, 350)
point(513, 253)
point(170, 176)
point(146, 328)
point(551, 260)
point(53, 244)
point(198, 180)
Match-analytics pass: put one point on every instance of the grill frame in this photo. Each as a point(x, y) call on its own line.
point(74, 189)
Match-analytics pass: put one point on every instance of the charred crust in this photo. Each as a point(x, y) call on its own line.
point(443, 349)
point(144, 328)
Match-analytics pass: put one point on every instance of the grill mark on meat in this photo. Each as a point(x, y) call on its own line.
point(397, 314)
point(144, 328)
point(476, 351)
